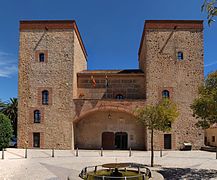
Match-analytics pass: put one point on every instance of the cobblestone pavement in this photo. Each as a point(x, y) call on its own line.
point(39, 164)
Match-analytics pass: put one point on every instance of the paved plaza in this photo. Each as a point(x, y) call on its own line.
point(39, 164)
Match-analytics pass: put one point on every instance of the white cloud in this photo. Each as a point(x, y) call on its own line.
point(8, 64)
point(210, 64)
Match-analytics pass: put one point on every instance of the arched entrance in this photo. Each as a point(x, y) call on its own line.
point(118, 140)
point(110, 130)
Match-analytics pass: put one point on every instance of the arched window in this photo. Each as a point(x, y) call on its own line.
point(41, 57)
point(119, 96)
point(165, 94)
point(45, 97)
point(180, 56)
point(37, 116)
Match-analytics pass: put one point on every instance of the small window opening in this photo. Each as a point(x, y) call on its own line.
point(119, 96)
point(37, 116)
point(180, 55)
point(41, 57)
point(166, 94)
point(45, 97)
point(169, 124)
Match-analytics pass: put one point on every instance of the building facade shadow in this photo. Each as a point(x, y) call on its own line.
point(188, 173)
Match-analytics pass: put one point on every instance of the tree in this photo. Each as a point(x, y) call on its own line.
point(5, 131)
point(157, 117)
point(10, 110)
point(210, 6)
point(205, 106)
point(2, 105)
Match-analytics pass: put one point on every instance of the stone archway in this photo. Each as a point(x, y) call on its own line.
point(89, 129)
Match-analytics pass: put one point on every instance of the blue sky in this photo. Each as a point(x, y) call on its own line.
point(111, 30)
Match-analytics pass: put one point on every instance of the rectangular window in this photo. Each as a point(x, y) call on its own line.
point(180, 55)
point(37, 116)
point(36, 140)
point(213, 138)
point(41, 57)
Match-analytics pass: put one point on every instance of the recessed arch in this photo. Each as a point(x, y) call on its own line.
point(104, 108)
point(90, 127)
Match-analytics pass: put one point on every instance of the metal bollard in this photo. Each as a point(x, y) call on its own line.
point(216, 152)
point(95, 169)
point(139, 170)
point(52, 155)
point(76, 152)
point(26, 153)
point(161, 153)
point(3, 154)
point(101, 153)
point(130, 153)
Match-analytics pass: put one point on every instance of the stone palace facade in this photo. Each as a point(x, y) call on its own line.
point(65, 106)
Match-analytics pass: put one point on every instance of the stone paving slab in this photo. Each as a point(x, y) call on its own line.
point(41, 166)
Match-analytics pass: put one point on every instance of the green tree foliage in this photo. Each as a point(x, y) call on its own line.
point(5, 131)
point(10, 110)
point(205, 107)
point(157, 117)
point(210, 6)
point(2, 104)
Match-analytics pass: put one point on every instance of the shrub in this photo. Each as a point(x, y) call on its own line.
point(5, 131)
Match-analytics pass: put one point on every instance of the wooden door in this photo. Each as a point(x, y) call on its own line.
point(121, 140)
point(108, 140)
point(167, 141)
point(36, 139)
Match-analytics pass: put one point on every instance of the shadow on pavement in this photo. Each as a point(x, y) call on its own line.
point(61, 173)
point(18, 155)
point(188, 173)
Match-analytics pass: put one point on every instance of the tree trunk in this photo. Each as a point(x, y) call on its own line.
point(152, 148)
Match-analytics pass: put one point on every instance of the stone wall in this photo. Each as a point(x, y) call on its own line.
point(80, 64)
point(211, 136)
point(56, 75)
point(130, 86)
point(180, 77)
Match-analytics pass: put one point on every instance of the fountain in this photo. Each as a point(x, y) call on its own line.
point(116, 171)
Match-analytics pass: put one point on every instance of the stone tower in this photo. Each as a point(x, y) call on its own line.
point(50, 55)
point(171, 55)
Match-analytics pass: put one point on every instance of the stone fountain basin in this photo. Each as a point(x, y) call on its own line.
point(116, 171)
